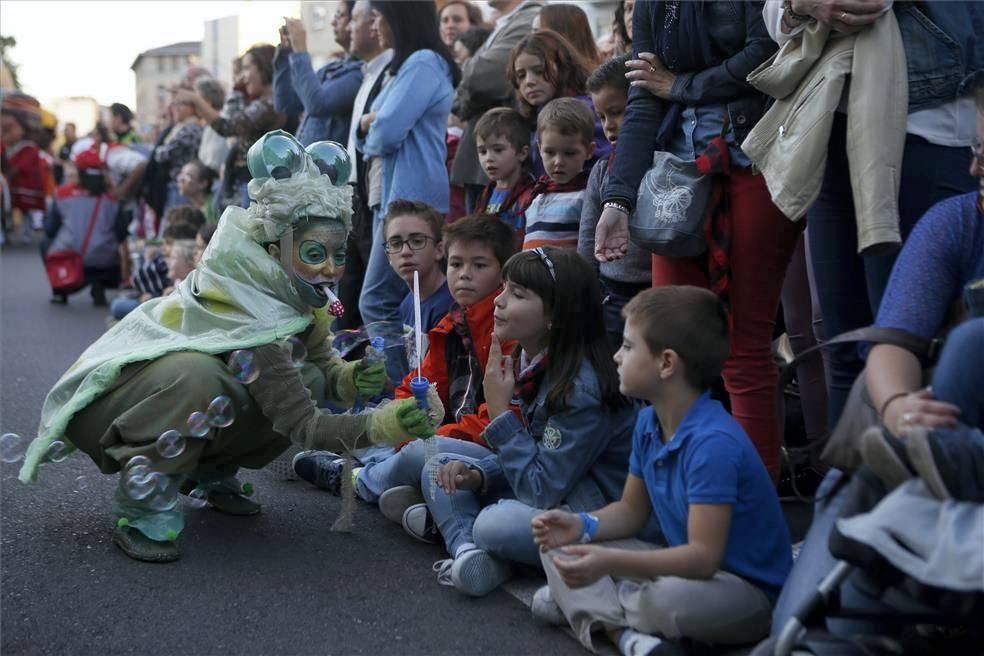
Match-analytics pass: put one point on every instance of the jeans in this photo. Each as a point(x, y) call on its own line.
point(617, 295)
point(384, 468)
point(850, 286)
point(805, 329)
point(382, 292)
point(762, 242)
point(122, 306)
point(958, 379)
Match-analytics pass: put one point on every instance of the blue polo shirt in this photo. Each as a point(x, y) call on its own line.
point(710, 460)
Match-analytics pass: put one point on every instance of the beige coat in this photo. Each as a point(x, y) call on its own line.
point(808, 77)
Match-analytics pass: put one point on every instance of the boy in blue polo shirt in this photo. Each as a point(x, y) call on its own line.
point(692, 465)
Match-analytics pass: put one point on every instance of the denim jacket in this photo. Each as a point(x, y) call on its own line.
point(740, 43)
point(577, 457)
point(944, 49)
point(325, 97)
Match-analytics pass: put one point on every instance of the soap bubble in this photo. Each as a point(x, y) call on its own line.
point(197, 498)
point(137, 461)
point(170, 444)
point(12, 447)
point(198, 424)
point(139, 485)
point(57, 451)
point(332, 160)
point(165, 496)
point(220, 412)
point(297, 351)
point(242, 367)
point(137, 471)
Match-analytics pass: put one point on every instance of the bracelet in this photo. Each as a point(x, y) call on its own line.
point(590, 523)
point(617, 205)
point(884, 407)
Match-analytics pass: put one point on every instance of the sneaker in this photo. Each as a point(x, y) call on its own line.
point(283, 465)
point(476, 573)
point(886, 456)
point(950, 461)
point(322, 469)
point(395, 501)
point(545, 609)
point(417, 522)
point(443, 569)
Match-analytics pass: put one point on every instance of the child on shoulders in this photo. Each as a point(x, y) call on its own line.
point(503, 139)
point(728, 550)
point(568, 444)
point(565, 129)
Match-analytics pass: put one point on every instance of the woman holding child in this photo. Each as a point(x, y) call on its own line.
point(693, 58)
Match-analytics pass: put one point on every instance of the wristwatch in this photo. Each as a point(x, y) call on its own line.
point(590, 523)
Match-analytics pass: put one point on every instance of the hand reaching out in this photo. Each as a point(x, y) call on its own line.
point(612, 235)
point(556, 528)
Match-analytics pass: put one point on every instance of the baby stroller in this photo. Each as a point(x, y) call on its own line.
point(912, 548)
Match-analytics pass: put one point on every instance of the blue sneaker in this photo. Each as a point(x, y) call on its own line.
point(322, 469)
point(950, 461)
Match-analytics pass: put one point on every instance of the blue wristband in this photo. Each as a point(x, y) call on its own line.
point(590, 523)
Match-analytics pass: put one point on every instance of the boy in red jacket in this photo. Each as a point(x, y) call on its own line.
point(477, 247)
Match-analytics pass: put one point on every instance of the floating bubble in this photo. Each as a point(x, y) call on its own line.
point(198, 425)
point(297, 351)
point(197, 498)
point(12, 447)
point(170, 444)
point(242, 367)
point(139, 486)
point(137, 471)
point(220, 412)
point(57, 451)
point(165, 496)
point(137, 461)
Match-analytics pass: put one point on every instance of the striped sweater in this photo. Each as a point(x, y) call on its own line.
point(553, 219)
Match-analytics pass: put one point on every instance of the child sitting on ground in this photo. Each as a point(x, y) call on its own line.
point(412, 231)
point(553, 217)
point(477, 246)
point(569, 446)
point(728, 549)
point(503, 139)
point(620, 279)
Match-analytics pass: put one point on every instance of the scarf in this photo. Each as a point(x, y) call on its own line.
point(523, 184)
point(718, 222)
point(545, 185)
point(529, 377)
point(460, 321)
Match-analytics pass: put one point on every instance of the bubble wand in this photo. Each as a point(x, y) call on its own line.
point(419, 385)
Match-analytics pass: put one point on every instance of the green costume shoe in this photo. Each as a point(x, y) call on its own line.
point(225, 493)
point(138, 546)
point(232, 503)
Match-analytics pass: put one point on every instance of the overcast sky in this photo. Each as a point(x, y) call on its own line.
point(61, 50)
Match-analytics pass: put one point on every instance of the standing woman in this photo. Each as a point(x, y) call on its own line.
point(703, 53)
point(247, 120)
point(571, 22)
point(406, 129)
point(457, 17)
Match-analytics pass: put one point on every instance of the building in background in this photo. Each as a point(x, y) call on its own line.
point(83, 111)
point(157, 70)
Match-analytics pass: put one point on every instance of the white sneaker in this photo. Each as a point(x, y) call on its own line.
point(545, 609)
point(395, 501)
point(476, 573)
point(418, 523)
point(443, 569)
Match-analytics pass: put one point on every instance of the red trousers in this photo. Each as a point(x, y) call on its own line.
point(762, 243)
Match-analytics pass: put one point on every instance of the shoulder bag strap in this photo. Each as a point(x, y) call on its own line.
point(92, 225)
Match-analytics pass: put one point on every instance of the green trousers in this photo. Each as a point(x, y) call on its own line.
point(152, 397)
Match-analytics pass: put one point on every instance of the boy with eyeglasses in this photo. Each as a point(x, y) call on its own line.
point(413, 243)
point(477, 247)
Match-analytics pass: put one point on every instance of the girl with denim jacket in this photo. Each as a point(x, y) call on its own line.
point(690, 73)
point(560, 431)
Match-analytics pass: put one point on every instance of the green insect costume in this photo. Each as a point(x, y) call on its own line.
point(127, 400)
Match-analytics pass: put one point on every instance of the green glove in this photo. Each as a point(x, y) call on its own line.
point(369, 379)
point(435, 408)
point(397, 422)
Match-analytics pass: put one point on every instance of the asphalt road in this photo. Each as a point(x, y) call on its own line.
point(278, 583)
